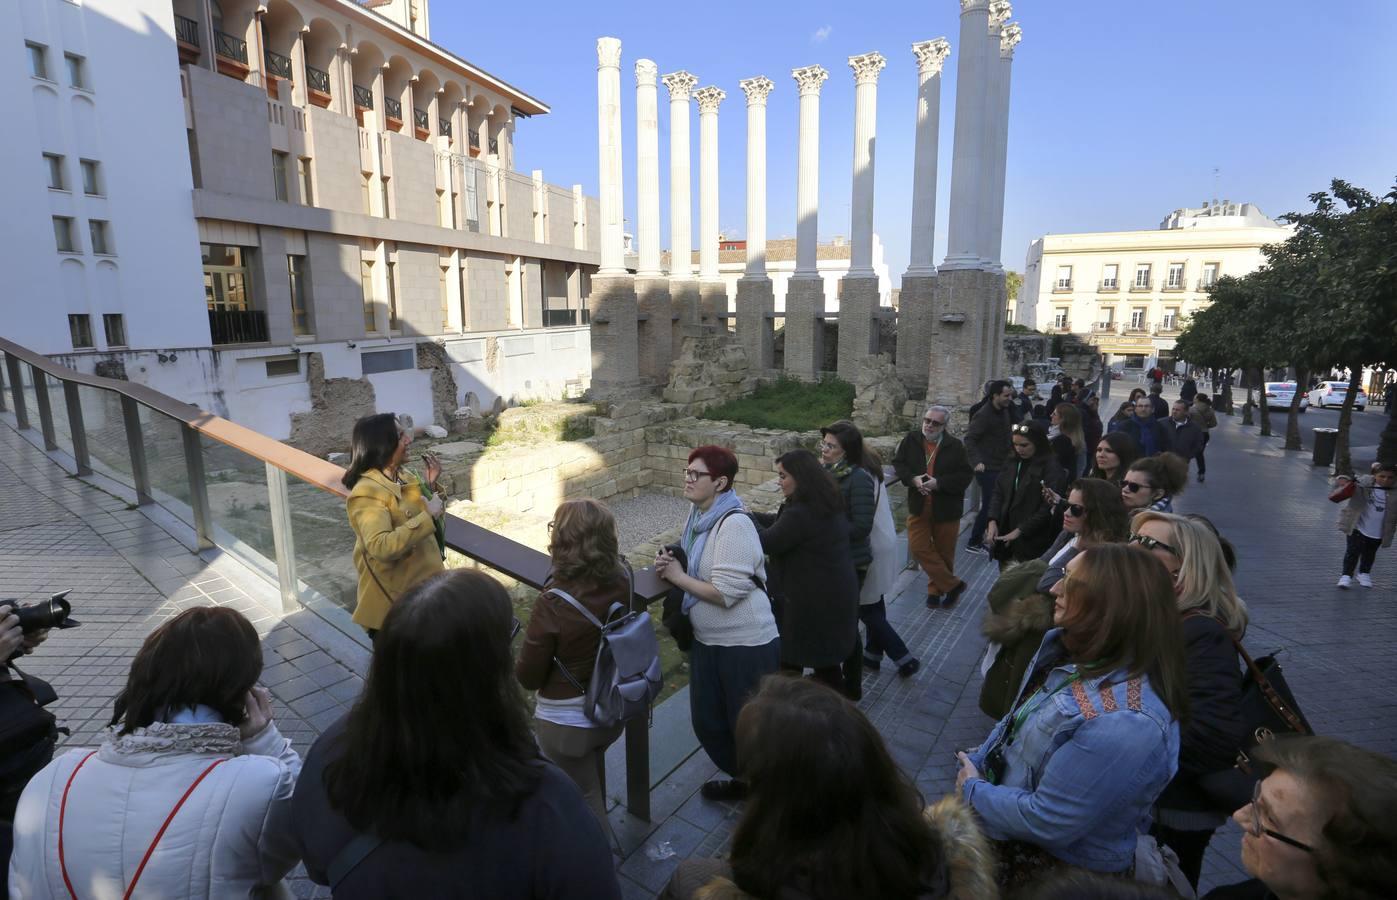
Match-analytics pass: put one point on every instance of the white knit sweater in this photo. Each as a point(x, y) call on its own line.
point(730, 557)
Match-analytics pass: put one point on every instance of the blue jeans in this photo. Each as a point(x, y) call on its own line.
point(882, 637)
point(720, 681)
point(987, 481)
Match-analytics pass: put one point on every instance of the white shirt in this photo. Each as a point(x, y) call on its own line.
point(1370, 520)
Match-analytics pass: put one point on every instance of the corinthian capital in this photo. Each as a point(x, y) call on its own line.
point(708, 99)
point(931, 55)
point(1000, 11)
point(679, 84)
point(1009, 38)
point(608, 53)
point(972, 5)
point(757, 89)
point(810, 79)
point(645, 71)
point(866, 67)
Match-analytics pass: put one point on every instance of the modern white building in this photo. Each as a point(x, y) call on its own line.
point(202, 194)
point(1130, 292)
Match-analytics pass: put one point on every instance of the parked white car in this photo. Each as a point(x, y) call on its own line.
point(1332, 393)
point(1279, 394)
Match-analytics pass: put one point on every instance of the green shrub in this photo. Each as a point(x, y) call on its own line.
point(790, 405)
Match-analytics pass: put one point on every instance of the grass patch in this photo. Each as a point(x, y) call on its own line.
point(790, 405)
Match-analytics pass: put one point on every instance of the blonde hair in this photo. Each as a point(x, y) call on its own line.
point(1070, 424)
point(583, 544)
point(1205, 582)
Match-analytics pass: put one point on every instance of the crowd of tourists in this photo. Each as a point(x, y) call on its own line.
point(1115, 679)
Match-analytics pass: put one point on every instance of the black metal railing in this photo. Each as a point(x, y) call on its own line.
point(421, 119)
point(363, 97)
point(278, 65)
point(318, 79)
point(229, 47)
point(494, 146)
point(444, 127)
point(238, 326)
point(1138, 285)
point(1062, 285)
point(186, 30)
point(1109, 284)
point(474, 137)
point(393, 108)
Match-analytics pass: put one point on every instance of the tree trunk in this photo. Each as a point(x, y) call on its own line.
point(1343, 463)
point(1260, 379)
point(1247, 409)
point(1292, 422)
point(1225, 404)
point(1387, 441)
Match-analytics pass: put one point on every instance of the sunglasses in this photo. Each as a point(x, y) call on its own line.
point(515, 626)
point(1256, 829)
point(1076, 510)
point(1021, 429)
point(1132, 487)
point(1150, 543)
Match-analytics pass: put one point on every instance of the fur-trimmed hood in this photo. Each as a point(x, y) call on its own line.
point(1026, 615)
point(967, 858)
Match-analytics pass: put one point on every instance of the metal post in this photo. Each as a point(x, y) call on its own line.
point(75, 425)
point(638, 767)
point(41, 397)
point(4, 407)
point(140, 472)
point(283, 538)
point(17, 392)
point(198, 487)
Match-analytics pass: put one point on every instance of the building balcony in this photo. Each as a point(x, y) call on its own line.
point(444, 127)
point(1108, 285)
point(1142, 328)
point(318, 86)
point(1058, 329)
point(363, 97)
point(1140, 287)
point(1174, 285)
point(278, 69)
point(494, 147)
point(393, 112)
point(231, 55)
point(1104, 328)
point(473, 141)
point(187, 39)
point(1167, 328)
point(422, 124)
point(238, 326)
point(1205, 285)
point(1062, 287)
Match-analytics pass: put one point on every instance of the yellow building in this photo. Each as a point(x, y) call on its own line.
point(1130, 292)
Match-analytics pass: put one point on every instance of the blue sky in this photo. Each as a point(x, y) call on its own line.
point(1120, 111)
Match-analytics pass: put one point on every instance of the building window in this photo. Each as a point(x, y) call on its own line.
point(1176, 276)
point(1064, 279)
point(1142, 275)
point(282, 366)
point(366, 284)
point(366, 195)
point(1137, 318)
point(77, 70)
point(54, 162)
point(1108, 316)
point(101, 234)
point(91, 178)
point(1171, 319)
point(80, 330)
point(300, 294)
point(303, 171)
point(392, 277)
point(1060, 318)
point(38, 60)
point(225, 277)
point(279, 176)
point(1210, 275)
point(387, 361)
point(63, 235)
point(114, 324)
point(384, 194)
point(1109, 277)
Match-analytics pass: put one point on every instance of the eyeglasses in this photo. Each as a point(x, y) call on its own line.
point(695, 474)
point(828, 445)
point(1076, 510)
point(515, 626)
point(1131, 487)
point(1256, 829)
point(935, 423)
point(1150, 543)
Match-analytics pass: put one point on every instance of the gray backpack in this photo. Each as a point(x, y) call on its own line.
point(626, 676)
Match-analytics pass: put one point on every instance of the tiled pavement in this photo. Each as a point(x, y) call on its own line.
point(129, 571)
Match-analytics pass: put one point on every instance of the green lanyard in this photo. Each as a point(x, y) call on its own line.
point(1029, 706)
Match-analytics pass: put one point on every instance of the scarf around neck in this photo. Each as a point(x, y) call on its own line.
point(696, 531)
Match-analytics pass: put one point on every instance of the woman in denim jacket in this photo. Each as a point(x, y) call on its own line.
point(1068, 777)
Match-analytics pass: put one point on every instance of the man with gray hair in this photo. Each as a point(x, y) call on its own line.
point(936, 471)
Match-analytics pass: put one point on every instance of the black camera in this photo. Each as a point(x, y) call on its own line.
point(55, 612)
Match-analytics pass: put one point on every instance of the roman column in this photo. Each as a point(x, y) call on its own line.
point(756, 304)
point(962, 235)
point(713, 292)
point(995, 124)
point(1010, 36)
point(655, 329)
point(683, 289)
point(612, 304)
point(858, 290)
point(805, 291)
point(915, 323)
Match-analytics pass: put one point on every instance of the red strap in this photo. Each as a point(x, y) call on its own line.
point(63, 809)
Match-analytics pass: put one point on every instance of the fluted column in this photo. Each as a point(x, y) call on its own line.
point(994, 123)
point(679, 85)
point(757, 90)
point(1010, 35)
point(931, 56)
point(609, 155)
point(866, 68)
point(647, 169)
point(708, 99)
point(967, 158)
point(809, 80)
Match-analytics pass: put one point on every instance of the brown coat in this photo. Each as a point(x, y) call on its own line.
point(395, 546)
point(556, 629)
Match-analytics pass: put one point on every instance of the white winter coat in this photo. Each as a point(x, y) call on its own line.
point(882, 540)
point(230, 839)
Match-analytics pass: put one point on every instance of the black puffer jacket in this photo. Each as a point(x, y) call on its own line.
point(1019, 504)
point(856, 484)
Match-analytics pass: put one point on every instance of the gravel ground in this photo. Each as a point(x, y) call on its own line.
point(639, 519)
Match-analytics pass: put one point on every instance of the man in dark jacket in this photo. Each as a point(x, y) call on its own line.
point(1151, 435)
point(934, 467)
point(987, 446)
point(1022, 407)
point(1185, 437)
point(1158, 407)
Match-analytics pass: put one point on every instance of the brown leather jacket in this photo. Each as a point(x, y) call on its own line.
point(556, 629)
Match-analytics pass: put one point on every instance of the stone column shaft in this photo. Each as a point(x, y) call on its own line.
point(866, 69)
point(999, 149)
point(810, 79)
point(757, 90)
point(708, 99)
point(681, 264)
point(609, 156)
point(931, 56)
point(962, 235)
point(647, 165)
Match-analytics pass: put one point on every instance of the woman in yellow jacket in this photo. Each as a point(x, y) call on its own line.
point(395, 544)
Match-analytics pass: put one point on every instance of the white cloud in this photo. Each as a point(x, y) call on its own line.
point(821, 34)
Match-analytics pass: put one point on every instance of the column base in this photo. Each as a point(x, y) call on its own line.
point(858, 329)
point(756, 332)
point(615, 353)
point(916, 325)
point(804, 329)
point(713, 303)
point(655, 332)
point(968, 312)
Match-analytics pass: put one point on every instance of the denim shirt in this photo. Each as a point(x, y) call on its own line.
point(1079, 780)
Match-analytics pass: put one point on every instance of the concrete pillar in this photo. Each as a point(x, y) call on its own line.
point(858, 290)
point(713, 293)
point(967, 156)
point(647, 166)
point(756, 304)
point(683, 289)
point(915, 320)
point(609, 155)
point(805, 291)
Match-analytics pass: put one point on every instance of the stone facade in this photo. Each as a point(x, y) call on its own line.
point(879, 397)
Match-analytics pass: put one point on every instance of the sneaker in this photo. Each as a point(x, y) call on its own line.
point(1365, 579)
point(977, 548)
point(1345, 581)
point(1201, 477)
point(909, 668)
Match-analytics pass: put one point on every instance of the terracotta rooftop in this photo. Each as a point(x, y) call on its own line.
point(777, 250)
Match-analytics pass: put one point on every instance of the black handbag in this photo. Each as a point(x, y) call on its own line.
point(672, 614)
point(1269, 709)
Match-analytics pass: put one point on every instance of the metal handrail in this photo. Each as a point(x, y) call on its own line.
point(319, 80)
point(494, 146)
point(278, 65)
point(230, 47)
point(186, 30)
point(474, 137)
point(363, 97)
point(393, 109)
point(444, 127)
point(420, 119)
